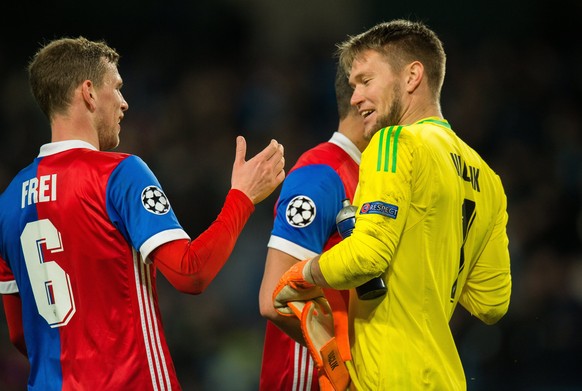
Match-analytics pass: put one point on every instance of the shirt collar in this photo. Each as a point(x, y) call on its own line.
point(60, 146)
point(436, 121)
point(347, 145)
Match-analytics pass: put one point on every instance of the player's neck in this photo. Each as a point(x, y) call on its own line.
point(63, 129)
point(419, 112)
point(352, 127)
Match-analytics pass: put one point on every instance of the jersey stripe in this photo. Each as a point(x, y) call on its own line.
point(387, 149)
point(156, 340)
point(384, 152)
point(151, 335)
point(395, 148)
point(296, 372)
point(156, 328)
point(380, 149)
point(310, 367)
point(303, 367)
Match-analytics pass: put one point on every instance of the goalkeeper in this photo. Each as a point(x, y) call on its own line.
point(431, 221)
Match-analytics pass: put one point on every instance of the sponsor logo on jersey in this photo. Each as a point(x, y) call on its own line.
point(301, 211)
point(155, 201)
point(380, 208)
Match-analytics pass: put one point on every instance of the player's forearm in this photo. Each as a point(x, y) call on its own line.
point(352, 262)
point(487, 290)
point(486, 294)
point(191, 266)
point(291, 326)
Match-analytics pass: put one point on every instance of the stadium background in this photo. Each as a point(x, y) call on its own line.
point(198, 74)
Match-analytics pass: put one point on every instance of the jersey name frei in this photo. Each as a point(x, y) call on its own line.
point(74, 229)
point(304, 226)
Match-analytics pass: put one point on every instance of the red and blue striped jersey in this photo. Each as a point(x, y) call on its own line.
point(304, 226)
point(76, 229)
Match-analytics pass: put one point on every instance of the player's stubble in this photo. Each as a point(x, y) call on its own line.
point(394, 114)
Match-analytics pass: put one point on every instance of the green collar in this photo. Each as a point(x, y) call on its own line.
point(435, 120)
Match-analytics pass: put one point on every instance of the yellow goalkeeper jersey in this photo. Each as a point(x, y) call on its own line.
point(432, 222)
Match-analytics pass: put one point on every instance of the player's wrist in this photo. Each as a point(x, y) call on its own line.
point(240, 196)
point(307, 273)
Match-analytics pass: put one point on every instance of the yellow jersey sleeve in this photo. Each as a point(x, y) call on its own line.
point(383, 200)
point(432, 222)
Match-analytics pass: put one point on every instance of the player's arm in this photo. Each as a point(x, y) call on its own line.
point(488, 288)
point(383, 199)
point(190, 266)
point(277, 263)
point(13, 310)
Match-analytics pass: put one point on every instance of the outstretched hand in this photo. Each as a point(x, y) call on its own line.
point(259, 176)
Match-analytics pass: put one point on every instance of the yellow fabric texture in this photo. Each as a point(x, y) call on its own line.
point(432, 222)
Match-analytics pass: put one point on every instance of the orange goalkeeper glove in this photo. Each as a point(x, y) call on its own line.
point(292, 286)
point(318, 331)
point(296, 296)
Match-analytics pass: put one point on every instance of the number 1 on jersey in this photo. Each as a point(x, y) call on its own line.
point(468, 218)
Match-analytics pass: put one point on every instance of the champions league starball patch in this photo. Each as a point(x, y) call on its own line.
point(300, 211)
point(380, 208)
point(154, 200)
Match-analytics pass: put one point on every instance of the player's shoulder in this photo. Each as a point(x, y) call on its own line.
point(423, 133)
point(390, 137)
point(92, 158)
point(325, 153)
point(106, 162)
point(108, 155)
point(120, 158)
point(311, 175)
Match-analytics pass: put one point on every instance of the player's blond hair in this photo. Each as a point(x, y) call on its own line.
point(60, 66)
point(401, 42)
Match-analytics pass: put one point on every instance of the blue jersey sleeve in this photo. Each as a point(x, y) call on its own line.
point(306, 209)
point(139, 208)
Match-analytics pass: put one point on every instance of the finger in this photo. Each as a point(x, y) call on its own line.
point(277, 159)
point(241, 150)
point(280, 176)
point(282, 150)
point(279, 164)
point(270, 151)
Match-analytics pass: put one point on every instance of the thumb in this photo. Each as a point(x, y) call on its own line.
point(241, 150)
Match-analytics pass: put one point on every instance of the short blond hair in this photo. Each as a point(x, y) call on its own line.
point(401, 42)
point(60, 66)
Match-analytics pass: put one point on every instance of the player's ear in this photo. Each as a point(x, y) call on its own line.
point(88, 94)
point(414, 74)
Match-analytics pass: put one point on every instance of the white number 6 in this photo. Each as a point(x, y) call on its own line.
point(51, 286)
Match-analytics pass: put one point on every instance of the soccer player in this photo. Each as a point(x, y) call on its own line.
point(431, 221)
point(322, 177)
point(83, 231)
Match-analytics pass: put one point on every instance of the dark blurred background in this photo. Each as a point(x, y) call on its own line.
point(197, 74)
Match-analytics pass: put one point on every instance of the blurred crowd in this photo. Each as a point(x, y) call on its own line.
point(512, 90)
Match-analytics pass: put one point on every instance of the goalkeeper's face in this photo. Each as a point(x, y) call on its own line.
point(377, 91)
